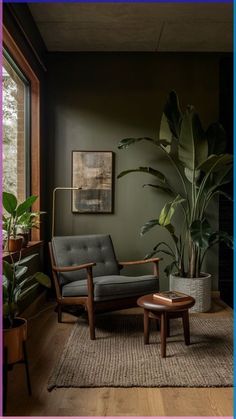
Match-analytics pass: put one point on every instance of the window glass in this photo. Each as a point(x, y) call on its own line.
point(15, 130)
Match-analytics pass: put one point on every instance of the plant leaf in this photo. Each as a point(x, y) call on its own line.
point(193, 147)
point(201, 232)
point(173, 117)
point(8, 271)
point(169, 268)
point(148, 225)
point(216, 137)
point(24, 206)
point(216, 163)
point(42, 279)
point(9, 202)
point(148, 170)
point(168, 211)
point(222, 236)
point(20, 271)
point(26, 259)
point(162, 188)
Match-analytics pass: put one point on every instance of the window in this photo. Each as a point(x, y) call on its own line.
point(16, 120)
point(26, 163)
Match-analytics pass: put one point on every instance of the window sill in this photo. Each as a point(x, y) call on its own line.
point(31, 247)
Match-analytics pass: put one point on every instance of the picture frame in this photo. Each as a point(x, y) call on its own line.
point(92, 173)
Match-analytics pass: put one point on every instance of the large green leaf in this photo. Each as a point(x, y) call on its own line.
point(160, 187)
point(216, 163)
point(148, 226)
point(126, 142)
point(20, 271)
point(222, 236)
point(24, 206)
point(169, 268)
point(225, 175)
point(148, 170)
point(201, 232)
point(20, 295)
point(216, 137)
point(9, 202)
point(8, 271)
point(168, 211)
point(26, 259)
point(173, 115)
point(42, 279)
point(193, 147)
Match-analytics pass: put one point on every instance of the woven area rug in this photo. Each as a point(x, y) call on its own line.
point(118, 357)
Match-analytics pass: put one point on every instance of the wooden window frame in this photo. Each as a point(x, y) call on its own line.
point(26, 69)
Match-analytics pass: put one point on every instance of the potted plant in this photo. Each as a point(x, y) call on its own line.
point(19, 221)
point(16, 286)
point(26, 222)
point(202, 169)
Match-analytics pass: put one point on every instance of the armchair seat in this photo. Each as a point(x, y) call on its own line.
point(112, 287)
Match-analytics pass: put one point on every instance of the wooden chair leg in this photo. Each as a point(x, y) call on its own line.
point(27, 369)
point(185, 317)
point(59, 313)
point(146, 326)
point(91, 321)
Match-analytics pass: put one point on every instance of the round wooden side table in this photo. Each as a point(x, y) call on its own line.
point(163, 311)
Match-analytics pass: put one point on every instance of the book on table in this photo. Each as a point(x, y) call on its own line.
point(171, 296)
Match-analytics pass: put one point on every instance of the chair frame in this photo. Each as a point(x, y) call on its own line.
point(87, 301)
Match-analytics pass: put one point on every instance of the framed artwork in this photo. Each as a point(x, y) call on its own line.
point(92, 171)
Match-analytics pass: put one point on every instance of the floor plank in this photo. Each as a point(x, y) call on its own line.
point(46, 340)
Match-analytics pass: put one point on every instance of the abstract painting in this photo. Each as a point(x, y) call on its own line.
point(92, 171)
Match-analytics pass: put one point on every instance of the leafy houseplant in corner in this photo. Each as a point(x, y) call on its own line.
point(19, 220)
point(16, 286)
point(202, 169)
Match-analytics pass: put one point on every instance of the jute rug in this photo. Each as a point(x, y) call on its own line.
point(118, 357)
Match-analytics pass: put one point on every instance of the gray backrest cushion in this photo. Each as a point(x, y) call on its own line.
point(76, 250)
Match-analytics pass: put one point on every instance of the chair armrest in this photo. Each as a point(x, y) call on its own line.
point(72, 268)
point(140, 262)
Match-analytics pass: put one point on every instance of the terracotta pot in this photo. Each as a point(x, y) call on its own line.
point(13, 338)
point(15, 244)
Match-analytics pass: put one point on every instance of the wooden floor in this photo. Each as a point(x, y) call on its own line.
point(47, 339)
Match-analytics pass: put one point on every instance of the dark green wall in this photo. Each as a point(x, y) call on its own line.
point(96, 99)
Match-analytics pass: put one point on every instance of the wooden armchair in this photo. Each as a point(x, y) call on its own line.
point(86, 272)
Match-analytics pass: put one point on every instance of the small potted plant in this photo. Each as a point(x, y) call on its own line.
point(26, 222)
point(18, 221)
point(17, 286)
point(202, 169)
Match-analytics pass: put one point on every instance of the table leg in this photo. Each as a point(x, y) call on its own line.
point(146, 326)
point(167, 326)
point(185, 318)
point(163, 334)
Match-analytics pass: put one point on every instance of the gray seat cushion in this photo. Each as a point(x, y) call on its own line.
point(113, 287)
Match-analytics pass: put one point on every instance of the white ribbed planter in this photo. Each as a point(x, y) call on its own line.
point(198, 288)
